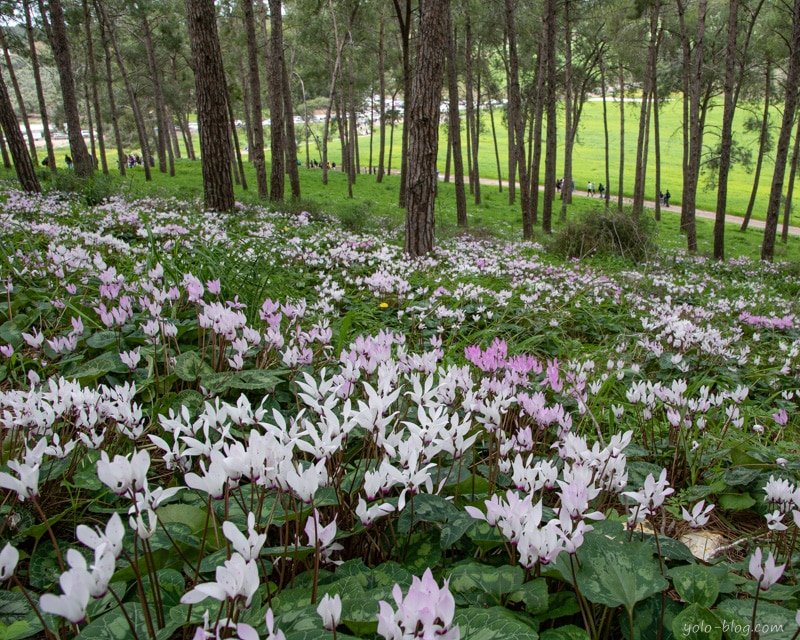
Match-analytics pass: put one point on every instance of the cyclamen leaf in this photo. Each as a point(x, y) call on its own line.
point(697, 623)
point(614, 574)
point(495, 623)
point(695, 584)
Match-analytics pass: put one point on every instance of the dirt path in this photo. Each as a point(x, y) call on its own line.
point(675, 209)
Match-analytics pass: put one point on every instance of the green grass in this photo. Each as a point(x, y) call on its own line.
point(376, 204)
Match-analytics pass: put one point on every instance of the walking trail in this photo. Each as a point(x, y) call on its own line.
point(709, 215)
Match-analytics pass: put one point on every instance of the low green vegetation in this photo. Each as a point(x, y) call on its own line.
point(270, 423)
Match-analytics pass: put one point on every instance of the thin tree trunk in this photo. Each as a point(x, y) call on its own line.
point(515, 118)
point(787, 205)
point(164, 154)
point(549, 50)
point(454, 130)
point(536, 135)
point(112, 105)
point(762, 149)
point(23, 112)
point(474, 181)
point(496, 147)
point(84, 165)
point(726, 136)
point(382, 91)
point(621, 182)
point(784, 137)
point(237, 151)
point(37, 76)
point(23, 164)
point(291, 140)
point(134, 102)
point(566, 194)
point(256, 132)
point(404, 21)
point(640, 177)
point(607, 152)
point(275, 79)
point(101, 143)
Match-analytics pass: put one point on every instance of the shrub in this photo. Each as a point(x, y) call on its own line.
point(607, 233)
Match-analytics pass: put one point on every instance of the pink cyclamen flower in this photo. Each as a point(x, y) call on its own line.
point(699, 516)
point(330, 610)
point(766, 573)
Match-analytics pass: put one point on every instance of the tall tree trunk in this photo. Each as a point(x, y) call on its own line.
point(787, 205)
point(291, 140)
point(238, 163)
point(122, 158)
point(275, 80)
point(256, 153)
point(763, 140)
point(726, 136)
point(657, 144)
point(423, 123)
point(454, 130)
point(784, 137)
point(474, 176)
point(536, 135)
point(382, 91)
point(23, 164)
point(98, 121)
point(141, 130)
point(549, 50)
point(211, 92)
point(640, 177)
point(37, 76)
point(23, 112)
point(158, 99)
point(566, 194)
point(607, 152)
point(692, 65)
point(7, 164)
point(84, 165)
point(621, 182)
point(515, 122)
point(404, 21)
point(496, 146)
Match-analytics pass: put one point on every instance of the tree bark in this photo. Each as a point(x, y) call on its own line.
point(23, 164)
point(23, 112)
point(275, 81)
point(454, 130)
point(404, 22)
point(141, 131)
point(211, 93)
point(291, 140)
point(98, 117)
point(382, 108)
point(84, 165)
point(37, 76)
point(784, 137)
point(256, 153)
point(549, 50)
point(566, 194)
point(423, 124)
point(515, 121)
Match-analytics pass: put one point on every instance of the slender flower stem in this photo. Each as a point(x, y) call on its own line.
point(52, 535)
point(49, 634)
point(753, 634)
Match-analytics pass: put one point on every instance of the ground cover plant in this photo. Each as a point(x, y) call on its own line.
point(271, 424)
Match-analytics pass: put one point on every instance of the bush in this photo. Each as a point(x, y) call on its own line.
point(93, 191)
point(605, 232)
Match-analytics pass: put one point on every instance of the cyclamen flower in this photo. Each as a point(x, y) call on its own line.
point(330, 610)
point(123, 475)
point(9, 557)
point(426, 612)
point(699, 516)
point(237, 578)
point(249, 547)
point(765, 573)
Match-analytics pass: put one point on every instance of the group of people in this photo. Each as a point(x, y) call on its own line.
point(591, 189)
point(664, 197)
point(318, 165)
point(134, 161)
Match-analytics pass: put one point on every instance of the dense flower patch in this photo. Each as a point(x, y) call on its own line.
point(262, 425)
